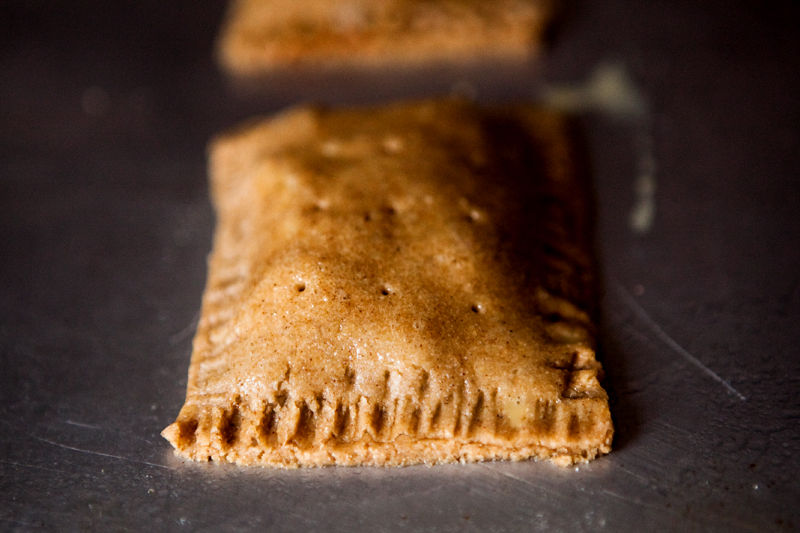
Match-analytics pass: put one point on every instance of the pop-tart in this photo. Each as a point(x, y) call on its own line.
point(395, 285)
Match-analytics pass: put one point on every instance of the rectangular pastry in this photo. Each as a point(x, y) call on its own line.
point(397, 285)
point(260, 35)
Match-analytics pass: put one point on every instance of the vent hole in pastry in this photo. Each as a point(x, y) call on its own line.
point(367, 217)
point(473, 216)
point(349, 376)
point(477, 308)
point(300, 287)
point(386, 291)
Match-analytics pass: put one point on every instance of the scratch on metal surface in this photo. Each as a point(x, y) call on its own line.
point(639, 335)
point(418, 493)
point(91, 452)
point(81, 425)
point(643, 480)
point(12, 521)
point(187, 331)
point(631, 500)
point(656, 459)
point(119, 432)
point(520, 480)
point(24, 465)
point(666, 339)
point(676, 428)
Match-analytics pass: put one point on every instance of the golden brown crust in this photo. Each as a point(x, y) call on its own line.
point(394, 286)
point(261, 35)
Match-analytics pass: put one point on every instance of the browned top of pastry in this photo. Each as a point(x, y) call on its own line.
point(419, 273)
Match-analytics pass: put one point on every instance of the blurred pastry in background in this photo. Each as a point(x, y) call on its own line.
point(260, 36)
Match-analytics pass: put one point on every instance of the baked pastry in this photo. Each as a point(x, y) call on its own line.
point(261, 35)
point(397, 285)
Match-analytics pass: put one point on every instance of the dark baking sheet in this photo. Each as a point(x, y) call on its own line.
point(105, 109)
